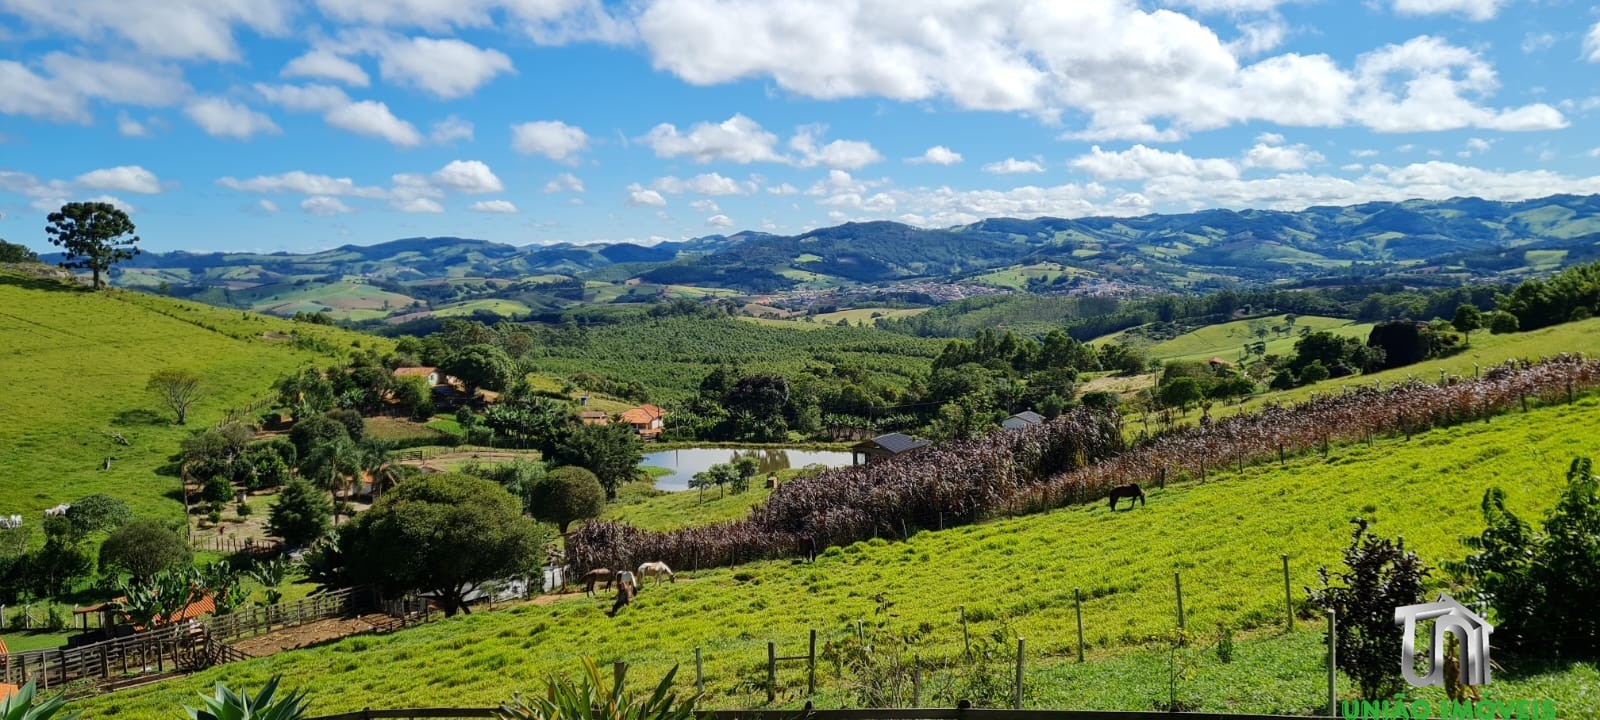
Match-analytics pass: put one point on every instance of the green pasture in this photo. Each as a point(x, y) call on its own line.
point(1014, 577)
point(503, 308)
point(1227, 340)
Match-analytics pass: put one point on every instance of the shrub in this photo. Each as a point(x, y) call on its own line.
point(24, 705)
point(567, 494)
point(299, 515)
point(589, 697)
point(1380, 576)
point(1502, 322)
point(226, 704)
point(143, 548)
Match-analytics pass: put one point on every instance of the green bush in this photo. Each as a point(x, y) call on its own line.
point(226, 704)
point(589, 698)
point(143, 548)
point(25, 705)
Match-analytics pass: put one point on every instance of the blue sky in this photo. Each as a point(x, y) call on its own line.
point(282, 125)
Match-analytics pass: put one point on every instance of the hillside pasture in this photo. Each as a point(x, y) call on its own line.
point(1227, 340)
point(1012, 577)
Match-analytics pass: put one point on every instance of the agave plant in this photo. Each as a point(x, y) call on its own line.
point(229, 705)
point(24, 705)
point(588, 699)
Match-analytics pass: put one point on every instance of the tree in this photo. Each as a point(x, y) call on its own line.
point(332, 466)
point(444, 534)
point(1467, 319)
point(94, 235)
point(299, 515)
point(567, 494)
point(414, 396)
point(1503, 322)
point(1052, 406)
point(1380, 575)
point(481, 366)
point(1122, 359)
point(176, 389)
point(14, 253)
point(313, 431)
point(141, 549)
point(611, 452)
point(97, 512)
point(1181, 392)
point(529, 420)
point(1101, 400)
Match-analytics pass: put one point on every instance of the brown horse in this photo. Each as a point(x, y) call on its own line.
point(597, 575)
point(1133, 493)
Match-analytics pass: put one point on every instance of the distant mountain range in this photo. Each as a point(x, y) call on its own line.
point(1182, 252)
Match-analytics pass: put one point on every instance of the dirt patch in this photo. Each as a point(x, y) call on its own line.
point(452, 460)
point(309, 634)
point(1123, 384)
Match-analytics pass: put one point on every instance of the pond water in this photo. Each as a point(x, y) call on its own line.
point(688, 461)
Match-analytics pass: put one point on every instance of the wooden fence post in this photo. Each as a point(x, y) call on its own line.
point(1077, 601)
point(1021, 645)
point(916, 683)
point(619, 670)
point(1288, 602)
point(966, 639)
point(699, 673)
point(1333, 667)
point(1177, 584)
point(811, 665)
point(772, 672)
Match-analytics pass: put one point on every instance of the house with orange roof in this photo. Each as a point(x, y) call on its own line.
point(646, 420)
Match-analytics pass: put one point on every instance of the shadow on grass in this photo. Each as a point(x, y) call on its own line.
point(38, 277)
point(137, 417)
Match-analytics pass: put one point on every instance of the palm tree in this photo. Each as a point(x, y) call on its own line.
point(331, 465)
point(378, 464)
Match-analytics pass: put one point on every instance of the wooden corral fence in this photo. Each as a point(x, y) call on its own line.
point(195, 645)
point(252, 546)
point(847, 714)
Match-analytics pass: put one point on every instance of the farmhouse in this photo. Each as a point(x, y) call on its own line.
point(646, 420)
point(112, 617)
point(867, 452)
point(431, 373)
point(1024, 419)
point(594, 417)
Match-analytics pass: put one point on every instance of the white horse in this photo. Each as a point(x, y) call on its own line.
point(657, 569)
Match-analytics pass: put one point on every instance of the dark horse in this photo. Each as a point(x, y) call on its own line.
point(1133, 493)
point(602, 576)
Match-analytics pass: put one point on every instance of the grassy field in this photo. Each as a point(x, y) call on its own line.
point(866, 315)
point(1016, 277)
point(503, 308)
point(81, 360)
point(1225, 340)
point(1013, 577)
point(345, 300)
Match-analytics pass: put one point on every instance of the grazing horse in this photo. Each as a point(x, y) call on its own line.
point(1133, 493)
point(625, 593)
point(598, 575)
point(657, 569)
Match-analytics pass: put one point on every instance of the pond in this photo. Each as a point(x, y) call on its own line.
point(688, 461)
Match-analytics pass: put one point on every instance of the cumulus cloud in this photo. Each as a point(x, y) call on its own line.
point(1591, 44)
point(1427, 84)
point(129, 127)
point(126, 178)
point(302, 183)
point(1013, 166)
point(705, 184)
point(719, 221)
point(737, 139)
point(705, 205)
point(503, 207)
point(450, 130)
point(447, 68)
point(1137, 74)
point(565, 182)
point(324, 206)
point(551, 138)
point(1473, 9)
point(1141, 162)
point(326, 65)
point(224, 118)
point(187, 29)
point(468, 176)
point(1274, 154)
point(268, 206)
point(641, 196)
point(839, 154)
point(544, 21)
point(366, 117)
point(936, 155)
point(60, 87)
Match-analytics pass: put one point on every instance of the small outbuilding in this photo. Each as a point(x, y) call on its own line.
point(431, 374)
point(1024, 419)
point(867, 452)
point(594, 417)
point(646, 420)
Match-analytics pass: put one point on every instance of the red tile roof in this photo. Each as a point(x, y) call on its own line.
point(416, 371)
point(642, 415)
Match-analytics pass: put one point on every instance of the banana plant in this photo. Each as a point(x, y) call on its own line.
point(589, 699)
point(226, 704)
point(25, 705)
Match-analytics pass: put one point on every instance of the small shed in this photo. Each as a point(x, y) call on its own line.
point(431, 374)
point(594, 417)
point(1024, 419)
point(1217, 363)
point(867, 452)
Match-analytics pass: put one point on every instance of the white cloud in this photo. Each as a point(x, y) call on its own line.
point(504, 207)
point(127, 178)
point(324, 206)
point(1473, 9)
point(224, 118)
point(705, 184)
point(268, 206)
point(1141, 162)
point(1436, 79)
point(1591, 44)
point(783, 189)
point(936, 155)
point(446, 68)
point(737, 139)
point(639, 195)
point(1538, 42)
point(28, 93)
point(61, 86)
point(1364, 153)
point(1281, 157)
point(565, 182)
point(326, 65)
point(839, 154)
point(468, 176)
point(551, 138)
point(719, 221)
point(1475, 146)
point(451, 129)
point(1013, 166)
point(197, 29)
point(302, 183)
point(705, 205)
point(304, 98)
point(372, 118)
point(129, 127)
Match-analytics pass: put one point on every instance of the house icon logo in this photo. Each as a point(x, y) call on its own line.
point(1472, 637)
